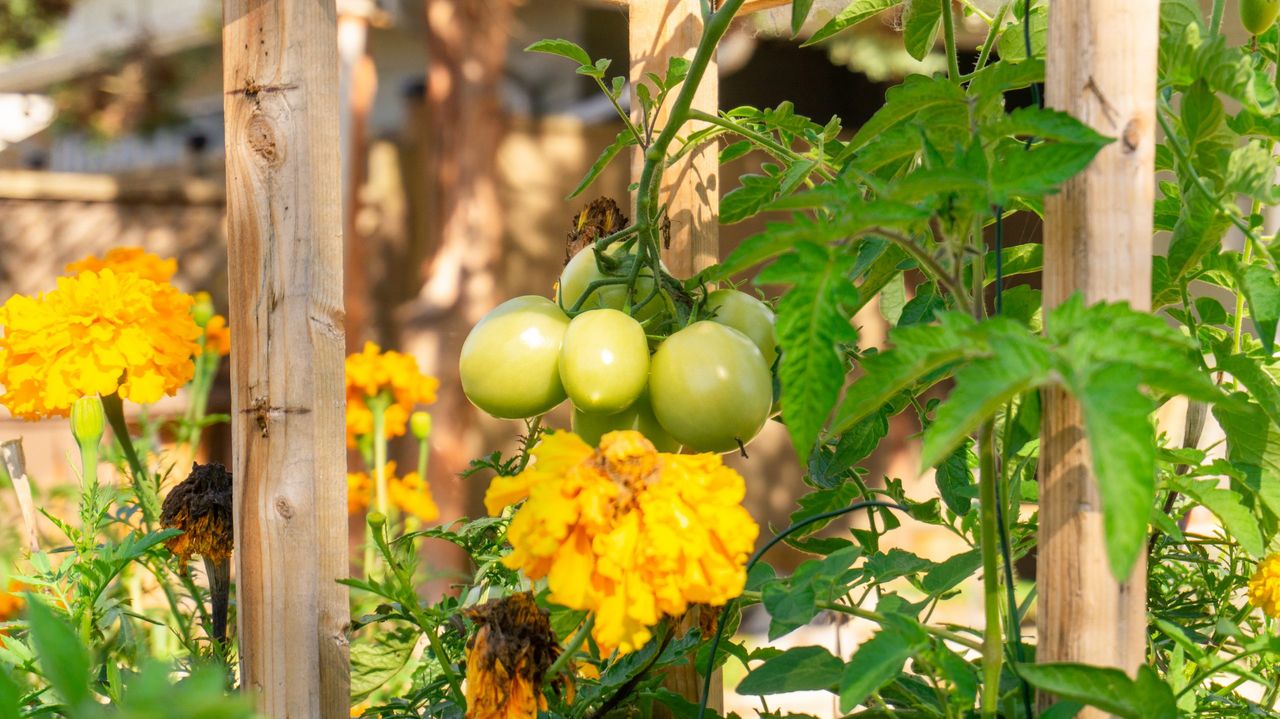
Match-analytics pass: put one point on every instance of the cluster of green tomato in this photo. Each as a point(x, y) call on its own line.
point(1258, 16)
point(707, 387)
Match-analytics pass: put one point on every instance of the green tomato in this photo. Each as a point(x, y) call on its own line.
point(710, 387)
point(604, 361)
point(582, 271)
point(510, 362)
point(1258, 16)
point(749, 316)
point(639, 416)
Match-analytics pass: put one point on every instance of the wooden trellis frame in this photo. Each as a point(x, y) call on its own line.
point(285, 247)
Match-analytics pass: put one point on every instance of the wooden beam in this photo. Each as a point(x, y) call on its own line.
point(659, 31)
point(86, 187)
point(748, 7)
point(1101, 68)
point(284, 227)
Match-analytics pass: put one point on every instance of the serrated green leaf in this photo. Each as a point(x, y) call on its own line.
point(563, 48)
point(955, 480)
point(749, 198)
point(1006, 75)
point(921, 26)
point(950, 573)
point(624, 140)
point(918, 351)
point(63, 659)
point(855, 13)
point(1261, 288)
point(1122, 443)
point(1111, 690)
point(376, 661)
point(799, 13)
point(1018, 363)
point(10, 698)
point(880, 659)
point(1229, 507)
point(799, 669)
point(916, 94)
point(892, 298)
point(1038, 171)
point(1013, 44)
point(812, 321)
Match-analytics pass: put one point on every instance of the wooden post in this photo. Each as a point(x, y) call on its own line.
point(284, 227)
point(15, 464)
point(1102, 69)
point(659, 31)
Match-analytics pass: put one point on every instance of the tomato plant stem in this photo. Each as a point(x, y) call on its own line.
point(949, 34)
point(992, 647)
point(1215, 20)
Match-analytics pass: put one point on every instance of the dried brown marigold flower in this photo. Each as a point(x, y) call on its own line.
point(508, 659)
point(200, 506)
point(599, 219)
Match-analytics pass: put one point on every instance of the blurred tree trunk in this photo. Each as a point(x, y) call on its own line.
point(466, 49)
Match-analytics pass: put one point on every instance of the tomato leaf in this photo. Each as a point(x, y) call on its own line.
point(63, 659)
point(813, 320)
point(855, 13)
point(796, 670)
point(1111, 690)
point(880, 659)
point(563, 48)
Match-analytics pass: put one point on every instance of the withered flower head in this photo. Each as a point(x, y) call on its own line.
point(201, 507)
point(508, 658)
point(599, 219)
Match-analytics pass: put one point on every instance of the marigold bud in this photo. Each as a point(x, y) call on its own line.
point(420, 425)
point(377, 520)
point(202, 309)
point(87, 419)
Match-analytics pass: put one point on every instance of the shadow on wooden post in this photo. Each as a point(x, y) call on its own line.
point(1101, 68)
point(284, 228)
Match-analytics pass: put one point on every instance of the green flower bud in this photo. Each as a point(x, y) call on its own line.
point(420, 425)
point(202, 311)
point(377, 520)
point(87, 419)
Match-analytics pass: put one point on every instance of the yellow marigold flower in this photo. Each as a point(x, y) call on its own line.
point(508, 658)
point(1264, 587)
point(11, 601)
point(627, 532)
point(359, 492)
point(372, 372)
point(133, 260)
point(217, 337)
point(413, 496)
point(97, 333)
point(410, 494)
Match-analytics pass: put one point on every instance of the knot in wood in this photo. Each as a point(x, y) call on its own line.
point(1131, 138)
point(262, 140)
point(283, 508)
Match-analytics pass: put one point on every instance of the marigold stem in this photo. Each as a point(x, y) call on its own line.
point(575, 643)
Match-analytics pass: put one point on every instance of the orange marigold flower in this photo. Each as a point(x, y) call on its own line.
point(217, 337)
point(1264, 587)
point(371, 373)
point(359, 492)
point(508, 658)
point(133, 260)
point(97, 333)
point(413, 496)
point(627, 532)
point(410, 494)
point(11, 601)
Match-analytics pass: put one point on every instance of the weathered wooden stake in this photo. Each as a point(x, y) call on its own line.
point(1102, 69)
point(284, 227)
point(659, 31)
